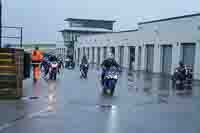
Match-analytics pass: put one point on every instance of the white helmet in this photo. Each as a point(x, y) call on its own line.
point(110, 55)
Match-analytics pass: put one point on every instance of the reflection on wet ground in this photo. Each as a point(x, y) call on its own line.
point(112, 123)
point(151, 84)
point(51, 95)
point(74, 105)
point(131, 83)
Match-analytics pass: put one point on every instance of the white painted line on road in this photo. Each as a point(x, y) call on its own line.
point(5, 126)
point(36, 114)
point(30, 116)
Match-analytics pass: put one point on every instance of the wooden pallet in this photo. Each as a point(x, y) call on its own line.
point(11, 73)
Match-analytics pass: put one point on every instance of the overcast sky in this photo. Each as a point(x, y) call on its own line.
point(42, 19)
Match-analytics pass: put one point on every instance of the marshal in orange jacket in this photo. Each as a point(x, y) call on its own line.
point(36, 56)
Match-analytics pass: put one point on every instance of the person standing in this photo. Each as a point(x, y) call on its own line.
point(36, 57)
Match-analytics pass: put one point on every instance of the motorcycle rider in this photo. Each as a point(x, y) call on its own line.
point(36, 57)
point(107, 64)
point(68, 62)
point(84, 61)
point(45, 65)
point(182, 70)
point(52, 60)
point(179, 74)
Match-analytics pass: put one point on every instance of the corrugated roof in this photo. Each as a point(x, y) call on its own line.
point(172, 18)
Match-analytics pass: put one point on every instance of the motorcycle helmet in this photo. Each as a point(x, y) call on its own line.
point(181, 63)
point(110, 55)
point(36, 47)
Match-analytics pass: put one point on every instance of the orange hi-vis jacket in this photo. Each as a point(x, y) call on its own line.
point(36, 56)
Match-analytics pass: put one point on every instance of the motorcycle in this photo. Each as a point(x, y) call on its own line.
point(53, 70)
point(110, 81)
point(83, 70)
point(182, 81)
point(177, 79)
point(69, 64)
point(188, 78)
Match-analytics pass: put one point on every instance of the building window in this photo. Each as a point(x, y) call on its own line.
point(67, 36)
point(76, 24)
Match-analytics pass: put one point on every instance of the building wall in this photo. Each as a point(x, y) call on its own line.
point(172, 32)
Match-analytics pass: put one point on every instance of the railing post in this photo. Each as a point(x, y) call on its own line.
point(21, 37)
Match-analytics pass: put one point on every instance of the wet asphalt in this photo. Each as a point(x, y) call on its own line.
point(142, 103)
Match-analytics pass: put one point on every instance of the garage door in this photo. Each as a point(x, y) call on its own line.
point(88, 53)
point(139, 57)
point(188, 53)
point(131, 57)
point(149, 57)
point(98, 56)
point(166, 59)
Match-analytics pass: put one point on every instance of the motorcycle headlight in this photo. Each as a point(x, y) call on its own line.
point(115, 76)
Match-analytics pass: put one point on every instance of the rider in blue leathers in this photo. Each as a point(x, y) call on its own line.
point(107, 64)
point(83, 61)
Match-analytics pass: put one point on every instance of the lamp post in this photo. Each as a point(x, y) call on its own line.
point(21, 37)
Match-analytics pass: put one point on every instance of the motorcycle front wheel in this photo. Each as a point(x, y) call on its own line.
point(55, 76)
point(112, 87)
point(50, 76)
point(85, 75)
